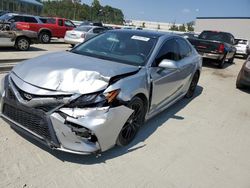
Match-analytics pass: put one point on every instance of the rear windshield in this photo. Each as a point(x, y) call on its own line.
point(83, 28)
point(217, 36)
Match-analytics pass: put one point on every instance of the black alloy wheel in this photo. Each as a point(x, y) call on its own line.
point(193, 85)
point(131, 127)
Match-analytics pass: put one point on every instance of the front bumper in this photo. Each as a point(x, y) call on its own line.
point(62, 129)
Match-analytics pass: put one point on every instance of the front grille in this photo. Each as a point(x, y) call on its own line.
point(33, 122)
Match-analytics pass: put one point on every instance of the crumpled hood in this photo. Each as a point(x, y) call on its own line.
point(69, 72)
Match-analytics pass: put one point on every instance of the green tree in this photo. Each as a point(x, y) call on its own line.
point(143, 24)
point(174, 27)
point(182, 28)
point(76, 11)
point(190, 26)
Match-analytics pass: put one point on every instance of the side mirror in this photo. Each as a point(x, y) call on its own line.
point(168, 64)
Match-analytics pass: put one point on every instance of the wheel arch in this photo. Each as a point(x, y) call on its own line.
point(45, 30)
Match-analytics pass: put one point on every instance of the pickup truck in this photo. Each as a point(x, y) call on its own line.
point(50, 27)
point(215, 45)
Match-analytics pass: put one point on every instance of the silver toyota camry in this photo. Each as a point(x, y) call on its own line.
point(99, 94)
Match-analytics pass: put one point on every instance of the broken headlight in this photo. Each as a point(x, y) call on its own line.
point(94, 100)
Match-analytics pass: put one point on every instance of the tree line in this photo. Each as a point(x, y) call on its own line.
point(184, 27)
point(75, 10)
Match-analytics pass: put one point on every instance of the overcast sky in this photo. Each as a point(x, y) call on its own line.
point(178, 11)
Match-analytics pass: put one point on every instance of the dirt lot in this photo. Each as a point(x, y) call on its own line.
point(198, 143)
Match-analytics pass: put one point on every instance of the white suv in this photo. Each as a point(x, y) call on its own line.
point(243, 47)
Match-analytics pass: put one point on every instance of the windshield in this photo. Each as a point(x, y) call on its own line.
point(120, 47)
point(217, 36)
point(82, 28)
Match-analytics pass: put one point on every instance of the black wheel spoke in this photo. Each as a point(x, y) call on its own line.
point(133, 123)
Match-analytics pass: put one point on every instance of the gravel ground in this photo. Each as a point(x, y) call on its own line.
point(198, 143)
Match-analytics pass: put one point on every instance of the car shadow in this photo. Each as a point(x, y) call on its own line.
point(12, 49)
point(245, 90)
point(240, 57)
point(146, 130)
point(212, 64)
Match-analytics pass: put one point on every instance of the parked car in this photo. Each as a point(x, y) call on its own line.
point(19, 39)
point(82, 33)
point(98, 94)
point(215, 45)
point(243, 47)
point(6, 17)
point(13, 17)
point(47, 28)
point(243, 79)
point(89, 23)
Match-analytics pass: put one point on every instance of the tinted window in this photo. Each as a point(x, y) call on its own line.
point(30, 19)
point(60, 22)
point(168, 51)
point(184, 48)
point(17, 19)
point(119, 47)
point(69, 23)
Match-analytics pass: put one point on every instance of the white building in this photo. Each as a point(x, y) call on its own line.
point(151, 25)
point(238, 26)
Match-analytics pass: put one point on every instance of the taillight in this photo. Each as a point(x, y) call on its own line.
point(83, 35)
point(221, 48)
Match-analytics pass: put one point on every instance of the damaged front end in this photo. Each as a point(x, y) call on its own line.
point(76, 123)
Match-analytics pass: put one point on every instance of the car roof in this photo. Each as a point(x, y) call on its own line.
point(145, 33)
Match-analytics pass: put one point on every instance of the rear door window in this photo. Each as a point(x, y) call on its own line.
point(18, 19)
point(30, 19)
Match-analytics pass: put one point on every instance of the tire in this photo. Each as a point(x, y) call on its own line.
point(232, 59)
point(133, 124)
point(44, 37)
point(193, 85)
point(221, 63)
point(239, 85)
point(22, 44)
